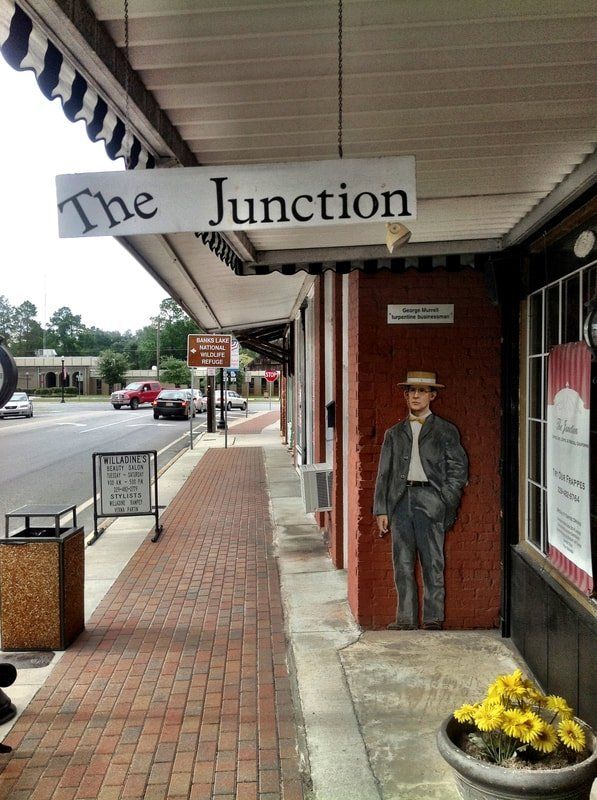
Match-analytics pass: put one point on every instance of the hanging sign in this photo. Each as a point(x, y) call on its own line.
point(567, 462)
point(239, 197)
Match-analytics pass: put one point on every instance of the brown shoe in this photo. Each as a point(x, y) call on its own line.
point(401, 626)
point(433, 625)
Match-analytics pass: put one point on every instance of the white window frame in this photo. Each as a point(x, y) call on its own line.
point(540, 541)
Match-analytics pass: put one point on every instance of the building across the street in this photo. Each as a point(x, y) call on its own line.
point(81, 373)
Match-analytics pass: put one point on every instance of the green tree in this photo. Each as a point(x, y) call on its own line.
point(112, 367)
point(6, 320)
point(167, 335)
point(174, 327)
point(27, 332)
point(174, 370)
point(64, 332)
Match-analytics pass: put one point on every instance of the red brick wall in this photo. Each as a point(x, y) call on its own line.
point(466, 357)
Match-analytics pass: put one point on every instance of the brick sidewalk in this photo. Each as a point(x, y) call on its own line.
point(179, 687)
point(255, 425)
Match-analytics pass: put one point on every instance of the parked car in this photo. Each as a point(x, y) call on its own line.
point(232, 400)
point(19, 405)
point(135, 394)
point(200, 401)
point(174, 403)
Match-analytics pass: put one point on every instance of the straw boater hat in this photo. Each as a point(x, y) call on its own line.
point(421, 379)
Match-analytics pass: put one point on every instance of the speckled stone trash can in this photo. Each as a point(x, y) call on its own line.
point(478, 780)
point(42, 575)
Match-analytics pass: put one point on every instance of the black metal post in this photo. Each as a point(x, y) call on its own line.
point(221, 421)
point(62, 381)
point(211, 404)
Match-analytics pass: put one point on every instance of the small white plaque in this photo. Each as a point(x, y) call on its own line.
point(423, 314)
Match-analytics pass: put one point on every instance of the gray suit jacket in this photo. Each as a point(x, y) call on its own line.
point(443, 458)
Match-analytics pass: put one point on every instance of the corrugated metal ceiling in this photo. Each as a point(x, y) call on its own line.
point(494, 98)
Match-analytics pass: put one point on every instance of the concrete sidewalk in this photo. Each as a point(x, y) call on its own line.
point(199, 705)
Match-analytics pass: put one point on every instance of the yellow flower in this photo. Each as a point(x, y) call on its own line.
point(465, 713)
point(530, 726)
point(512, 686)
point(535, 697)
point(488, 717)
point(545, 739)
point(523, 725)
point(559, 705)
point(495, 691)
point(572, 734)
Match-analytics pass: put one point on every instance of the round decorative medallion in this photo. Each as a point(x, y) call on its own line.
point(584, 244)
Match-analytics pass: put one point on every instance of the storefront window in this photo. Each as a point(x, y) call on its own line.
point(556, 315)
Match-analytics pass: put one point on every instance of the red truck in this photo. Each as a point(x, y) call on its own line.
point(136, 393)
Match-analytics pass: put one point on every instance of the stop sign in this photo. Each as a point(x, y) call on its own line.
point(271, 375)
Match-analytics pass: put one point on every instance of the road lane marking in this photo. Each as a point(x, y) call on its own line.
point(109, 425)
point(76, 424)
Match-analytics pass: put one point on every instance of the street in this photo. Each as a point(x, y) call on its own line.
point(48, 459)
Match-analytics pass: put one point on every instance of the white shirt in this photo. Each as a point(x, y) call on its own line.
point(415, 469)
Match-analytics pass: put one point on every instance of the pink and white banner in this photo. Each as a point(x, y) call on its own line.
point(567, 462)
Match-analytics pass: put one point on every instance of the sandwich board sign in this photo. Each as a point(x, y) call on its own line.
point(122, 486)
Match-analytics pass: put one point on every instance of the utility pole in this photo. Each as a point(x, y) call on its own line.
point(62, 381)
point(157, 349)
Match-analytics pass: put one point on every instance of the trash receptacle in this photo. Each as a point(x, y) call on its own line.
point(42, 577)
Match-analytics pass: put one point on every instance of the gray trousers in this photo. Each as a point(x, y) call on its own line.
point(418, 526)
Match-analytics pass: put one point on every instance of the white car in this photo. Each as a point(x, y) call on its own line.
point(233, 400)
point(200, 401)
point(19, 405)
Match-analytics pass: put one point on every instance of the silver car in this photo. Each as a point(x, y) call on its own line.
point(200, 401)
point(233, 400)
point(19, 405)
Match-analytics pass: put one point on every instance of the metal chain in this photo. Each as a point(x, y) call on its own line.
point(127, 68)
point(340, 78)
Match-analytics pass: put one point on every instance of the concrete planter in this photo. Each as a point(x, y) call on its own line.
point(477, 780)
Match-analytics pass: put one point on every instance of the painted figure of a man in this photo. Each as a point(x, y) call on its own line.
point(422, 471)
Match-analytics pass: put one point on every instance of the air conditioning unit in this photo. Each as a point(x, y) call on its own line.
point(316, 487)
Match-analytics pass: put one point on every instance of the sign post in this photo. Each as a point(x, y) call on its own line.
point(271, 376)
point(247, 384)
point(211, 350)
point(225, 404)
point(192, 413)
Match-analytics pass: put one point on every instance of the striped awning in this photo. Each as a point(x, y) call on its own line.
point(453, 262)
point(25, 47)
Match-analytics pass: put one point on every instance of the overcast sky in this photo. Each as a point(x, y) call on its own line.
point(95, 278)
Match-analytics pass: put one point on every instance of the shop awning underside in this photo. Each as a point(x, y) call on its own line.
point(495, 101)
